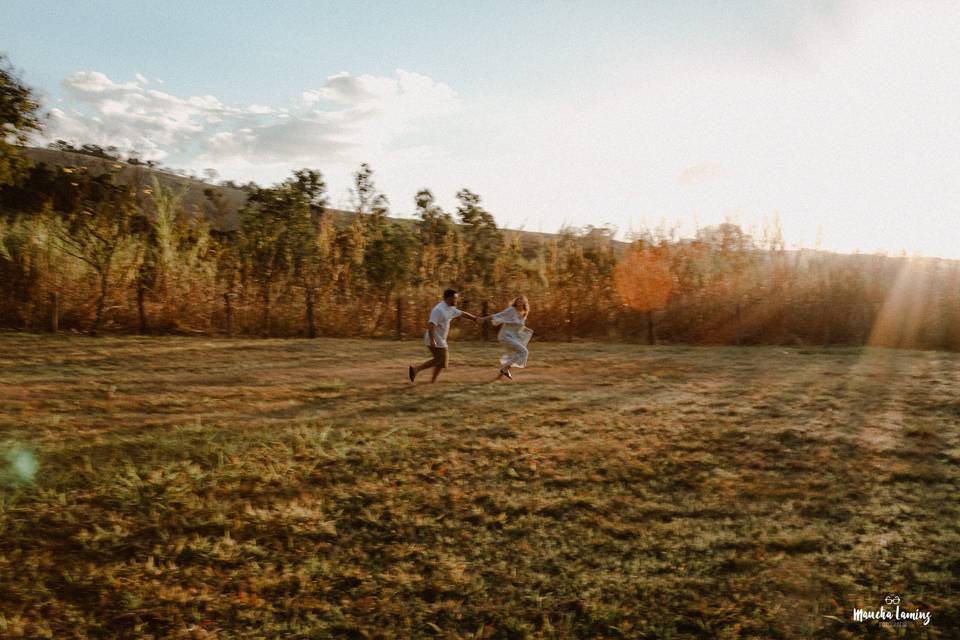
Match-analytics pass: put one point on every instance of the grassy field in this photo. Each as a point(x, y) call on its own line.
point(194, 488)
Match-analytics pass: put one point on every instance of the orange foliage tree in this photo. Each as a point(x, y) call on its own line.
point(643, 281)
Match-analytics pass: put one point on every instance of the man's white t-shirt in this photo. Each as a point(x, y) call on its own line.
point(440, 316)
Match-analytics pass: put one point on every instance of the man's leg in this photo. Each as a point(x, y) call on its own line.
point(436, 361)
point(440, 357)
point(432, 362)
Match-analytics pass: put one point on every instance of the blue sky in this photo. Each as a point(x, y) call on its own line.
point(218, 47)
point(829, 116)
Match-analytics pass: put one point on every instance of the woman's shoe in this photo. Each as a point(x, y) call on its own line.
point(505, 372)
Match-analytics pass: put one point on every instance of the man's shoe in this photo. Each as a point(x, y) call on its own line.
point(411, 373)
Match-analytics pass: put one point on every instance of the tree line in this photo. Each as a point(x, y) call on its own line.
point(95, 252)
point(91, 253)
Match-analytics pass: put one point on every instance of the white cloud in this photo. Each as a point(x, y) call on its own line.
point(348, 120)
point(134, 118)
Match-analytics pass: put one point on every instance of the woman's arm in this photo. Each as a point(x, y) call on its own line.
point(506, 316)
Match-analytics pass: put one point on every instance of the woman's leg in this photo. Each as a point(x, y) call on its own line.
point(515, 356)
point(522, 354)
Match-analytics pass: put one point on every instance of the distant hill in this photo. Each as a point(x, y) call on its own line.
point(196, 203)
point(194, 200)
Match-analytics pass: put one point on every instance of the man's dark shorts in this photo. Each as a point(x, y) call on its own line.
point(440, 355)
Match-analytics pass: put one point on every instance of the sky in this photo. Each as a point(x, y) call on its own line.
point(835, 120)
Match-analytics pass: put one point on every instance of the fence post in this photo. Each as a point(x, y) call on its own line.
point(399, 318)
point(486, 325)
point(229, 313)
point(54, 312)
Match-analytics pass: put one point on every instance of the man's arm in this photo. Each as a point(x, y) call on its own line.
point(433, 340)
point(466, 314)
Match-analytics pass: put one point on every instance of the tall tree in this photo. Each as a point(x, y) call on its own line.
point(229, 272)
point(366, 199)
point(313, 240)
point(276, 223)
point(96, 228)
point(18, 119)
point(172, 251)
point(439, 253)
point(388, 265)
point(156, 239)
point(644, 281)
point(483, 240)
point(385, 245)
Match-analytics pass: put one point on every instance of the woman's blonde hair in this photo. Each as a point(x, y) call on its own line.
point(525, 311)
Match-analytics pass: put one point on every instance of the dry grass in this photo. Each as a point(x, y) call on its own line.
point(266, 488)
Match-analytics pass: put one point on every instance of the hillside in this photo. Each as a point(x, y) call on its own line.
point(196, 202)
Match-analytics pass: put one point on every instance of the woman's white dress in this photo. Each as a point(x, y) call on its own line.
point(514, 336)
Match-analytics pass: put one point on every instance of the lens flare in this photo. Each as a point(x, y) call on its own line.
point(21, 465)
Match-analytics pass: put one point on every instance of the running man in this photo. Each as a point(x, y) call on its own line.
point(438, 326)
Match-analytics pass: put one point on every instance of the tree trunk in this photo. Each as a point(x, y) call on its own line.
point(311, 323)
point(569, 320)
point(651, 337)
point(54, 312)
point(739, 326)
point(141, 293)
point(382, 307)
point(228, 309)
point(101, 302)
point(399, 318)
point(266, 310)
point(486, 325)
